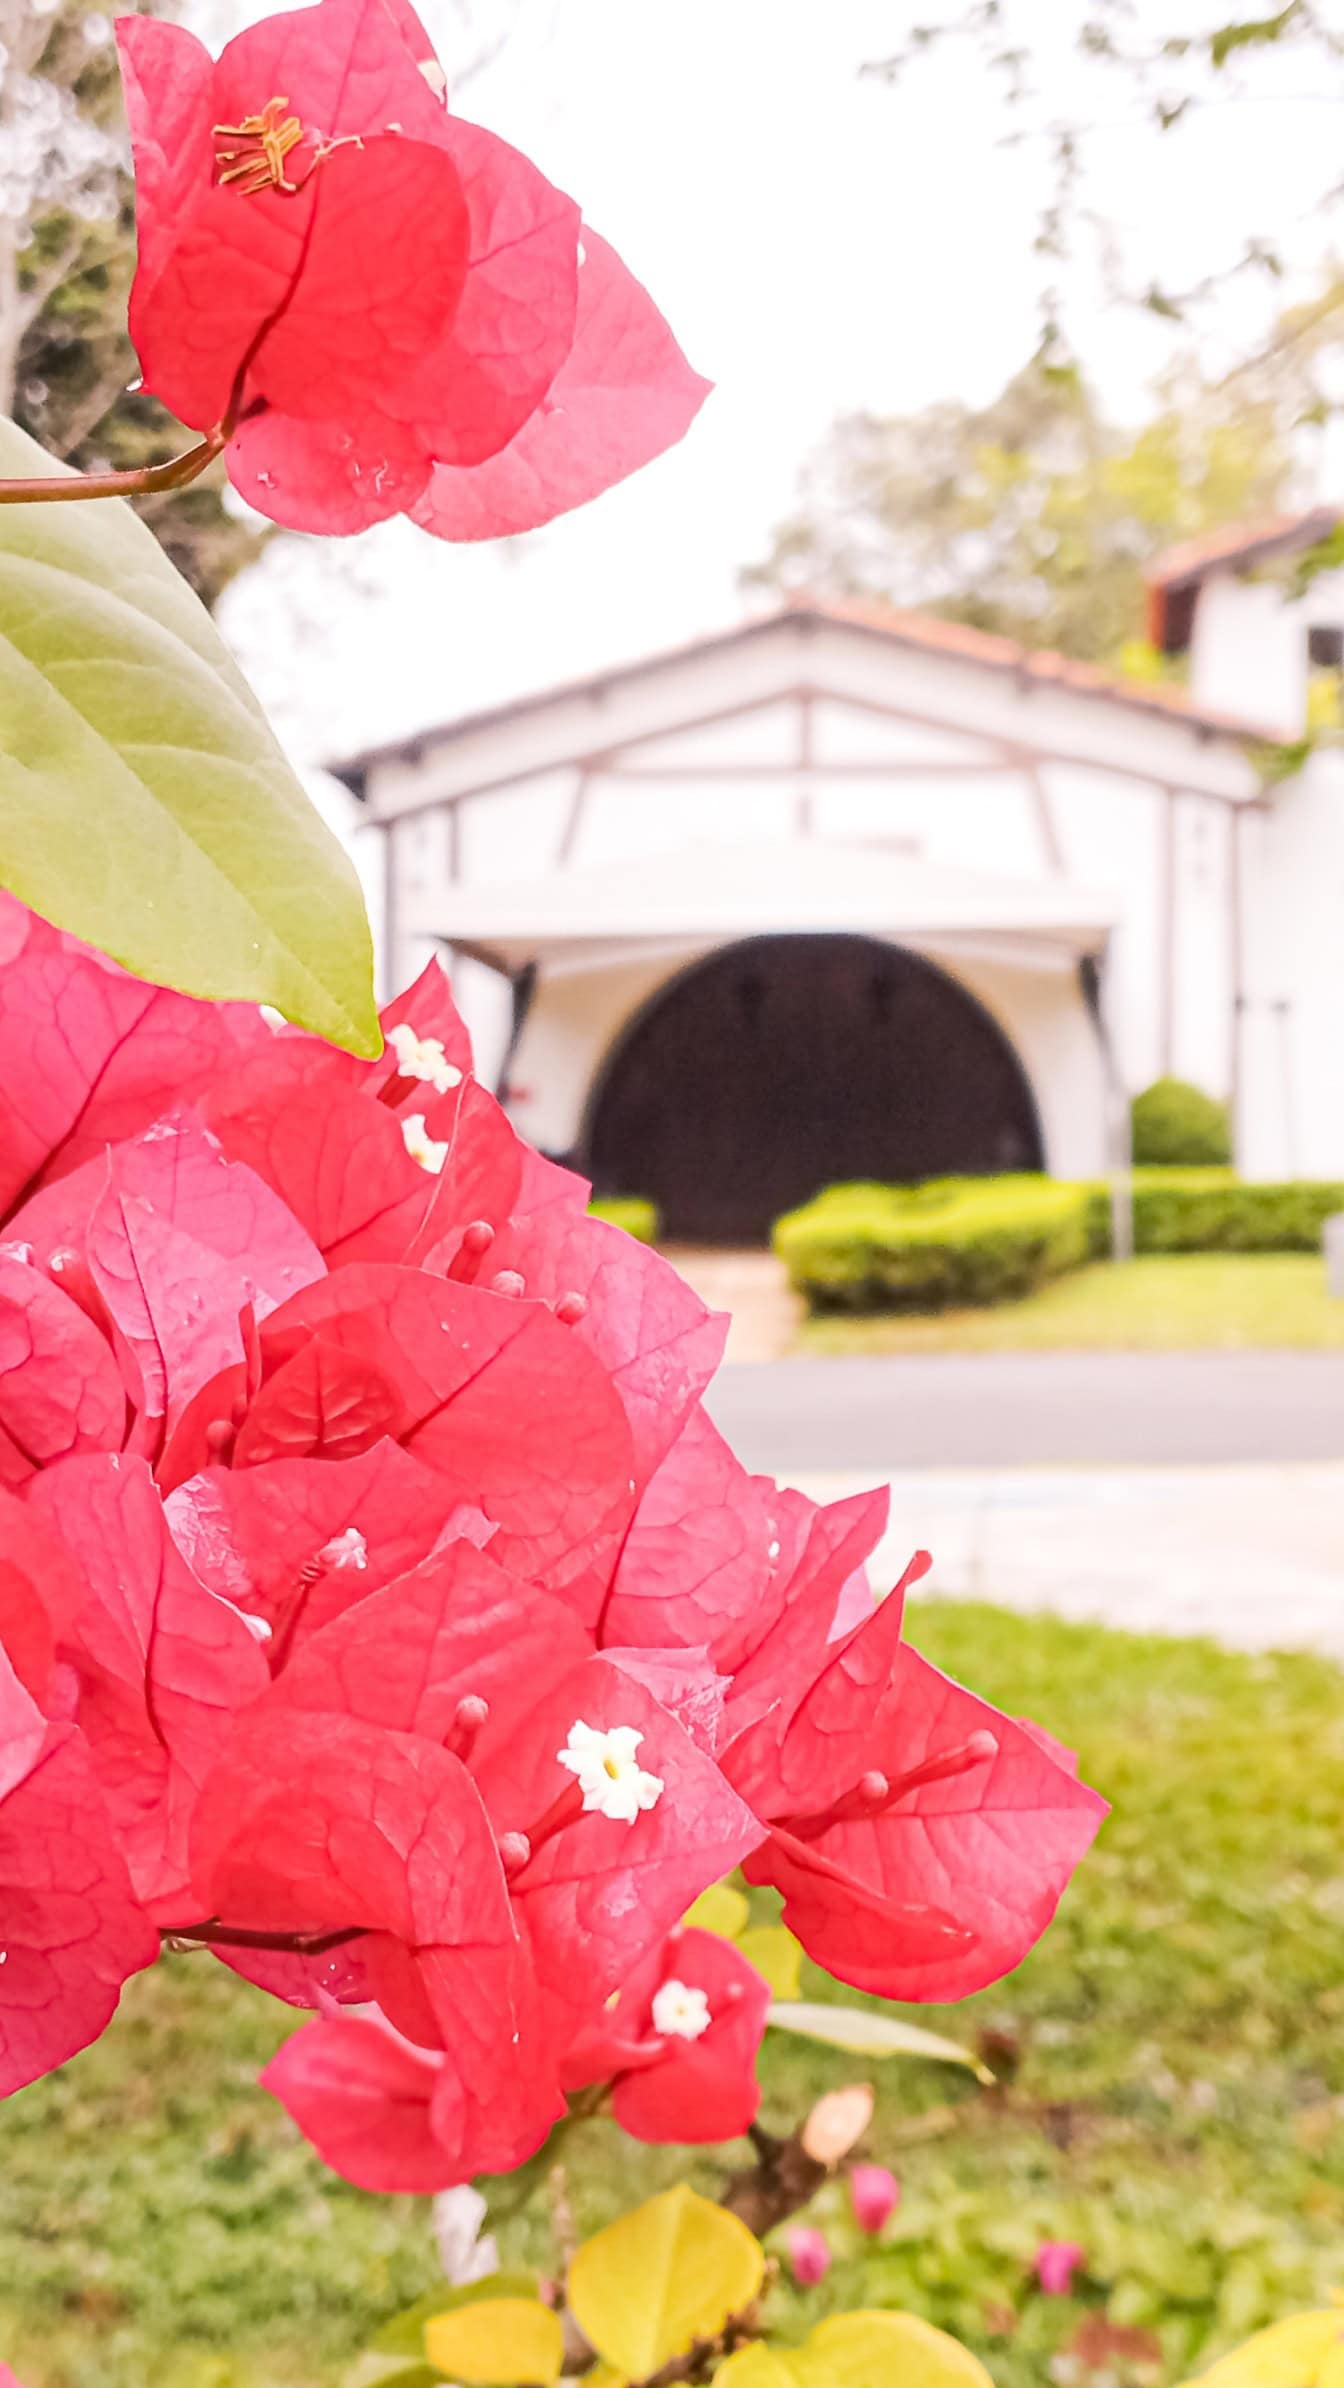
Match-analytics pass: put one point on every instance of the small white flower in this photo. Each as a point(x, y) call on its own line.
point(421, 1145)
point(464, 2254)
point(612, 1782)
point(422, 1057)
point(345, 1550)
point(679, 2012)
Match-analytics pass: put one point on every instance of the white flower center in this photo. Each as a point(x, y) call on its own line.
point(422, 1057)
point(421, 1146)
point(679, 2012)
point(610, 1778)
point(345, 1550)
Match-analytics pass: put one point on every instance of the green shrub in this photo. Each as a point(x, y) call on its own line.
point(1212, 1210)
point(634, 1212)
point(1175, 1126)
point(952, 1240)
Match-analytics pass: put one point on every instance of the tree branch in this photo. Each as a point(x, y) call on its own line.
point(34, 295)
point(783, 2178)
point(104, 394)
point(694, 2364)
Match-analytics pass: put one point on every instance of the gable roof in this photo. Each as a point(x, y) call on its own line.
point(1178, 574)
point(1029, 667)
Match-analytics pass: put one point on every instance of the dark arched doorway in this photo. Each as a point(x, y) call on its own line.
point(785, 1064)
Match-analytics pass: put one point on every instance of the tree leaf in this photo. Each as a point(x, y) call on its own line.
point(389, 2371)
point(498, 2342)
point(884, 2350)
point(862, 2033)
point(651, 2284)
point(756, 2367)
point(719, 1909)
point(144, 803)
point(774, 1952)
point(1291, 2354)
point(404, 2334)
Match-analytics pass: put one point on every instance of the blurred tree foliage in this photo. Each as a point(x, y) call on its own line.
point(1032, 516)
point(67, 255)
point(1061, 71)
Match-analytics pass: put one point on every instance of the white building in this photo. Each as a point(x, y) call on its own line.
point(849, 893)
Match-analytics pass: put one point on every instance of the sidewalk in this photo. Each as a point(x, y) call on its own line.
point(1251, 1555)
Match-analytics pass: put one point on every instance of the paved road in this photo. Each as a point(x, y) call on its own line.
point(1011, 1409)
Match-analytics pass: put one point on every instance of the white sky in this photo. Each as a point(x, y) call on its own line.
point(819, 243)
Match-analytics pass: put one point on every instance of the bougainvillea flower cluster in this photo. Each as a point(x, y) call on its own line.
point(380, 1609)
point(389, 309)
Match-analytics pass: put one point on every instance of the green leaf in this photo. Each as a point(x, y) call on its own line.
point(498, 2342)
point(862, 2033)
point(1243, 36)
point(404, 2335)
point(654, 2282)
point(774, 1952)
point(719, 1909)
point(390, 2371)
point(144, 803)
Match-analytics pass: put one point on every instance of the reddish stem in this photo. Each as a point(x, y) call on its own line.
point(289, 1944)
point(53, 489)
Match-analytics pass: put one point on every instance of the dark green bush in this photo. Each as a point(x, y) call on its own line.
point(1212, 1210)
point(1175, 1126)
point(634, 1212)
point(954, 1240)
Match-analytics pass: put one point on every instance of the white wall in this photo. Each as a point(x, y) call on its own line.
point(1248, 653)
point(1127, 802)
point(1292, 1042)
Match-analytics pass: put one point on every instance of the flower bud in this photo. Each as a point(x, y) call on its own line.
point(809, 2256)
point(874, 2194)
point(837, 2123)
point(1056, 2262)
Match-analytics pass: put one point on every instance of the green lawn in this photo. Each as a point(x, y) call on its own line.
point(1177, 2104)
point(1196, 1301)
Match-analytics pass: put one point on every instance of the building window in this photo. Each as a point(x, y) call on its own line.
point(1325, 676)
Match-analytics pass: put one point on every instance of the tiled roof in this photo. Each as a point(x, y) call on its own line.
point(1030, 666)
point(1040, 666)
point(1176, 577)
point(1240, 543)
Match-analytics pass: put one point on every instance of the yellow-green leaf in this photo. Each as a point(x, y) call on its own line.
point(755, 2367)
point(775, 1953)
point(885, 2350)
point(403, 2334)
point(500, 2342)
point(1300, 2353)
point(144, 802)
point(651, 2284)
point(861, 2032)
point(719, 1909)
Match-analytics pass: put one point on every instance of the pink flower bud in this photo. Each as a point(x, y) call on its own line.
point(1056, 2262)
point(874, 2194)
point(809, 2257)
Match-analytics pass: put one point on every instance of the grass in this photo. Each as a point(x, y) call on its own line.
point(1199, 1301)
point(1172, 2061)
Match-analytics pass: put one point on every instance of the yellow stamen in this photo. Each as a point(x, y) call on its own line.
point(267, 139)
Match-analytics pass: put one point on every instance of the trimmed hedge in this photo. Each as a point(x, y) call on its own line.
point(952, 1241)
point(980, 1240)
point(1177, 1126)
point(633, 1212)
point(1212, 1210)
